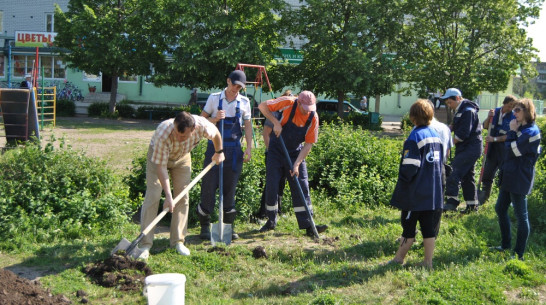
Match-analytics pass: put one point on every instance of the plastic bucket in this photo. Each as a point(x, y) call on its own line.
point(165, 289)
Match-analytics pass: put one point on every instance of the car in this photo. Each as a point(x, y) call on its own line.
point(330, 106)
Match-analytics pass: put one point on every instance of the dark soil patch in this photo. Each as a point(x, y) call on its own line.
point(15, 290)
point(259, 252)
point(219, 250)
point(118, 271)
point(330, 240)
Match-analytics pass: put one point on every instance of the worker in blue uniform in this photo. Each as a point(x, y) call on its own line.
point(517, 175)
point(419, 192)
point(500, 125)
point(233, 111)
point(467, 137)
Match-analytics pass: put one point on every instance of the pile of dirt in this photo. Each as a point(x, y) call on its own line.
point(119, 271)
point(15, 290)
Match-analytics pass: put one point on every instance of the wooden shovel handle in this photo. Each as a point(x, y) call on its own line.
point(182, 194)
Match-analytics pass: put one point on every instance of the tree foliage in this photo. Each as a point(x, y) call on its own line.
point(112, 37)
point(471, 45)
point(209, 38)
point(347, 46)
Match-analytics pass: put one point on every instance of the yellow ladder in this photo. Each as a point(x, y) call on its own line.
point(48, 105)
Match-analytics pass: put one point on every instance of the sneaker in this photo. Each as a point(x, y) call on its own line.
point(234, 236)
point(267, 227)
point(144, 253)
point(182, 250)
point(320, 229)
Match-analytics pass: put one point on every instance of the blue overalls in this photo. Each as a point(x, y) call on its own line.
point(495, 151)
point(466, 127)
point(277, 167)
point(233, 164)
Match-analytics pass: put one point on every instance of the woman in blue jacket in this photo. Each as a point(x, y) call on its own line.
point(522, 147)
point(418, 192)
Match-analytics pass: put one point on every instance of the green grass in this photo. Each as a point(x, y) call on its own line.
point(344, 269)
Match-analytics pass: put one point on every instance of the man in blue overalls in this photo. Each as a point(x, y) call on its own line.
point(467, 137)
point(234, 110)
point(298, 124)
point(495, 151)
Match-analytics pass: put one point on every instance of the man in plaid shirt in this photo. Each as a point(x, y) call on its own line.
point(169, 152)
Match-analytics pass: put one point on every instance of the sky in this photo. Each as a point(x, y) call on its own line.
point(537, 32)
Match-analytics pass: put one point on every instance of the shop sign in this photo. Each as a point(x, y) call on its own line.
point(291, 55)
point(34, 39)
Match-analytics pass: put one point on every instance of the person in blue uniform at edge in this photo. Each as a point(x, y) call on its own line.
point(234, 109)
point(495, 151)
point(467, 137)
point(419, 192)
point(522, 148)
point(299, 124)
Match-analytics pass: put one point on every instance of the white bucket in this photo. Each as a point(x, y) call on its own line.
point(165, 289)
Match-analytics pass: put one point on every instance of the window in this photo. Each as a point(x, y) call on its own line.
point(89, 77)
point(20, 66)
point(53, 66)
point(49, 22)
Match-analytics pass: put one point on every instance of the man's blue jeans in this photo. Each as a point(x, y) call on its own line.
point(520, 210)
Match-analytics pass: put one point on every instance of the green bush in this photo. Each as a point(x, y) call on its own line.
point(348, 165)
point(352, 166)
point(57, 193)
point(65, 108)
point(97, 109)
point(125, 110)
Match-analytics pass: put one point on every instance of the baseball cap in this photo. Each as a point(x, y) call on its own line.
point(28, 75)
point(451, 92)
point(308, 100)
point(238, 77)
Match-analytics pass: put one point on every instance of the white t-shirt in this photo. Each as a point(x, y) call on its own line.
point(211, 107)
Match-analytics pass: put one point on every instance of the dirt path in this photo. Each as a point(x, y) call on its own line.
point(102, 138)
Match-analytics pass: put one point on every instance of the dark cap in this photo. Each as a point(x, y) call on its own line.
point(238, 77)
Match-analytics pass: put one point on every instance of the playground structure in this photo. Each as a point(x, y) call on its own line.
point(19, 116)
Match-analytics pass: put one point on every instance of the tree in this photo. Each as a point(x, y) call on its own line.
point(347, 48)
point(112, 37)
point(471, 45)
point(207, 39)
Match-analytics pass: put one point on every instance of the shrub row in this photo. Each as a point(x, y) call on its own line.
point(50, 193)
point(348, 165)
point(124, 110)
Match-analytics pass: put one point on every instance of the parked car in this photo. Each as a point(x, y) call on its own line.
point(330, 106)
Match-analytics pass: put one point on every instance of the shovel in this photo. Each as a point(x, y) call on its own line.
point(131, 248)
point(221, 232)
point(300, 191)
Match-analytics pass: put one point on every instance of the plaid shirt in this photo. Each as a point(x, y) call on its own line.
point(164, 144)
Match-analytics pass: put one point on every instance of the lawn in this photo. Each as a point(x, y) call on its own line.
point(343, 267)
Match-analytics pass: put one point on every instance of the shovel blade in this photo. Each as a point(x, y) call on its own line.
point(121, 246)
point(220, 233)
point(124, 245)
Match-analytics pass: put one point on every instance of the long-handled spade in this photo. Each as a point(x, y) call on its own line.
point(300, 191)
point(221, 232)
point(131, 248)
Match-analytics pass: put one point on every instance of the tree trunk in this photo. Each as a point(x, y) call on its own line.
point(113, 94)
point(377, 102)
